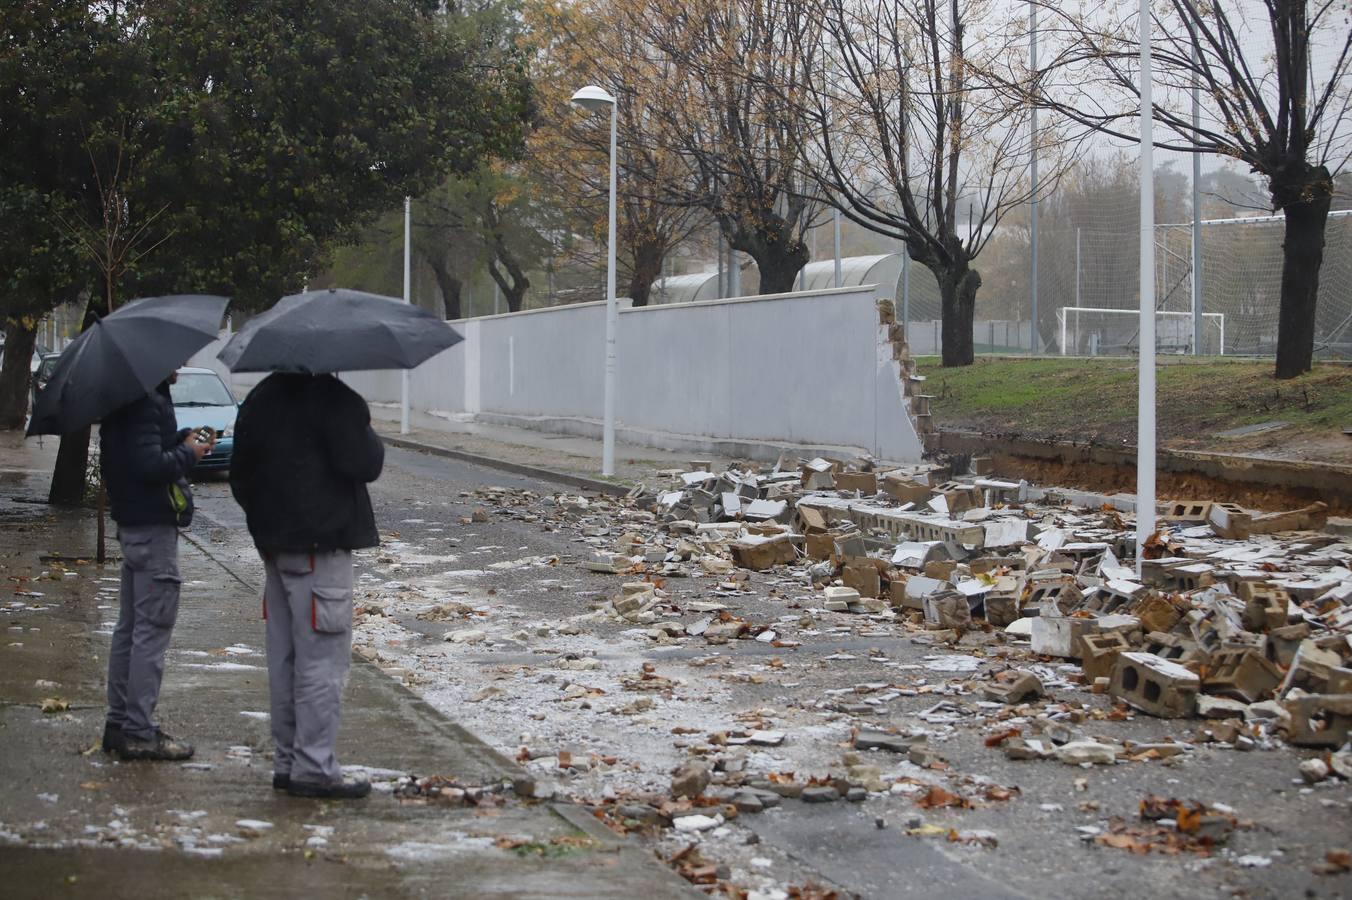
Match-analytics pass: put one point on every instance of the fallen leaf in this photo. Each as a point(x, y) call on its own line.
point(937, 798)
point(995, 740)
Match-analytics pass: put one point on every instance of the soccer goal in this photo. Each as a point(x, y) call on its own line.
point(1098, 331)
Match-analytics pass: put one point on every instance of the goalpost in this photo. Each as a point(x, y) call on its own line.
point(1100, 331)
point(1091, 266)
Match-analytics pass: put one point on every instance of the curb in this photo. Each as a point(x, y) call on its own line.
point(578, 481)
point(576, 814)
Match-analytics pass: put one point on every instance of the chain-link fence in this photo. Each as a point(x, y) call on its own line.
point(1089, 291)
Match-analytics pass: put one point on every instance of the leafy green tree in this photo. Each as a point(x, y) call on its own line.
point(253, 137)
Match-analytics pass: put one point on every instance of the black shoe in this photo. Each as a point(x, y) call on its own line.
point(160, 747)
point(112, 737)
point(280, 781)
point(329, 790)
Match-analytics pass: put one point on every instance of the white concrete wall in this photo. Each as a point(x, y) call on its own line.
point(746, 376)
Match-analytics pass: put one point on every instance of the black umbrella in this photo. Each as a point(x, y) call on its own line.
point(122, 357)
point(337, 331)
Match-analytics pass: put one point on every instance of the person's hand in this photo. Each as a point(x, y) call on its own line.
point(199, 449)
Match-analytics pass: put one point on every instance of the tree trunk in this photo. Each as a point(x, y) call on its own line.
point(20, 339)
point(778, 257)
point(958, 288)
point(648, 257)
point(450, 287)
point(513, 288)
point(1305, 201)
point(72, 458)
point(71, 471)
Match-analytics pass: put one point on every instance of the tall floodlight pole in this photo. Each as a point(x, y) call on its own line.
point(595, 99)
point(835, 218)
point(408, 298)
point(1196, 218)
point(1036, 342)
point(1145, 399)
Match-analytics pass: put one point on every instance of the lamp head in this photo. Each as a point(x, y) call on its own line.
point(593, 98)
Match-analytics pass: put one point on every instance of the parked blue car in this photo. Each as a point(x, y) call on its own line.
point(202, 399)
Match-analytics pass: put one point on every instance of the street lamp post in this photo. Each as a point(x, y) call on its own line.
point(595, 99)
point(1145, 399)
point(408, 298)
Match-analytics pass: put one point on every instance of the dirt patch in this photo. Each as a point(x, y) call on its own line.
point(1111, 479)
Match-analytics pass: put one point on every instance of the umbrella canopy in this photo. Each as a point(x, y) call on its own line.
point(337, 331)
point(122, 357)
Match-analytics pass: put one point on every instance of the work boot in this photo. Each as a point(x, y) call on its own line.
point(160, 747)
point(112, 737)
point(281, 781)
point(342, 789)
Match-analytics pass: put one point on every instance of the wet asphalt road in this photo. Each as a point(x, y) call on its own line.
point(419, 501)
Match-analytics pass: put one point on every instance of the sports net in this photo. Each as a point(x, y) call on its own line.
point(1094, 275)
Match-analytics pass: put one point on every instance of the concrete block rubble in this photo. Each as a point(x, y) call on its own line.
point(1241, 619)
point(973, 659)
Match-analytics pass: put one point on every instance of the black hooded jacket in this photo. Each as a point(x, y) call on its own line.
point(304, 453)
point(142, 454)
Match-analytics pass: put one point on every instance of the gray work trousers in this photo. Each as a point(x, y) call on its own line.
point(308, 606)
point(145, 622)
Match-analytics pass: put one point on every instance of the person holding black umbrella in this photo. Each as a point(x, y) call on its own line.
point(304, 453)
point(145, 462)
point(118, 372)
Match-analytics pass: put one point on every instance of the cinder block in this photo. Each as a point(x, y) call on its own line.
point(1153, 685)
point(865, 483)
point(1242, 675)
point(1117, 596)
point(863, 577)
point(1002, 602)
point(905, 490)
point(948, 609)
point(758, 554)
point(1283, 643)
point(1320, 720)
point(1265, 605)
point(820, 546)
point(849, 546)
point(1230, 521)
point(1001, 609)
point(818, 475)
point(1311, 669)
point(811, 520)
point(1187, 512)
point(1061, 635)
point(1176, 648)
point(1156, 613)
point(959, 497)
point(1043, 588)
point(1099, 652)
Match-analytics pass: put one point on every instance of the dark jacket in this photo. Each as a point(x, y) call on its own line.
point(304, 453)
point(142, 455)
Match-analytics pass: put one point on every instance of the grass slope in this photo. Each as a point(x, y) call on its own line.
point(1095, 399)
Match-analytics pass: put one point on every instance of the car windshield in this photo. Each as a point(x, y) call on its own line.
point(200, 389)
point(45, 369)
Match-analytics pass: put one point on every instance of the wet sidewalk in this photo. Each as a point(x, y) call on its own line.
point(536, 452)
point(77, 823)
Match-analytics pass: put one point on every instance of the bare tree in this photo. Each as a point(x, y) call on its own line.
point(1275, 94)
point(715, 93)
point(586, 43)
point(909, 141)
